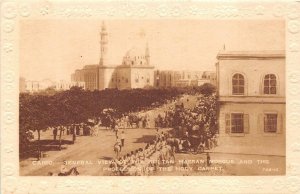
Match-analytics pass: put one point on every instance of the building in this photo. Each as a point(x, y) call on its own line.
point(65, 85)
point(32, 86)
point(135, 70)
point(166, 79)
point(39, 86)
point(211, 76)
point(22, 85)
point(89, 75)
point(251, 98)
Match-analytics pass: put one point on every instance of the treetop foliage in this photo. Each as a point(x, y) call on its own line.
point(39, 111)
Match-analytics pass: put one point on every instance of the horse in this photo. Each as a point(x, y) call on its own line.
point(200, 148)
point(194, 141)
point(107, 121)
point(186, 145)
point(134, 119)
point(73, 171)
point(95, 130)
point(117, 150)
point(174, 143)
point(167, 153)
point(170, 153)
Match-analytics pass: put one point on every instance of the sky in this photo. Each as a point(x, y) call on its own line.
point(54, 49)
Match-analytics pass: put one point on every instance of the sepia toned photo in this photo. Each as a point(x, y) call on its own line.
point(158, 97)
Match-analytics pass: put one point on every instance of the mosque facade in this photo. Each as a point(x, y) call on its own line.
point(135, 71)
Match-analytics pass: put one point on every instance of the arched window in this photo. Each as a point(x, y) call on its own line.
point(238, 84)
point(270, 84)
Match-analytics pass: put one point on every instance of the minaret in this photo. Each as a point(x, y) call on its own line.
point(103, 45)
point(147, 55)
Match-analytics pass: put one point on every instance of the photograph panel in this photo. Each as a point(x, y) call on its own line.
point(152, 97)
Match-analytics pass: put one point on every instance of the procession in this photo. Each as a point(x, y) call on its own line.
point(189, 133)
point(184, 125)
point(145, 111)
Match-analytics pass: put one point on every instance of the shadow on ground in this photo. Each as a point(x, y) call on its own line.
point(145, 139)
point(106, 158)
point(45, 145)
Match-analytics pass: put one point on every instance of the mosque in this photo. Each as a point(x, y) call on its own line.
point(135, 71)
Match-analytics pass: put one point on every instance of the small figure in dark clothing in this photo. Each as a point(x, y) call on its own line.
point(74, 129)
point(122, 136)
point(113, 124)
point(77, 130)
point(54, 133)
point(208, 159)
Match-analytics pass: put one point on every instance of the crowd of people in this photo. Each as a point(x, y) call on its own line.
point(126, 120)
point(192, 129)
point(144, 161)
point(189, 125)
point(192, 126)
point(73, 129)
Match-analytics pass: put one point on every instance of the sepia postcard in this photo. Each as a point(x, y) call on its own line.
point(150, 97)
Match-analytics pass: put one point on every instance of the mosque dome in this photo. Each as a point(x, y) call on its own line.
point(136, 56)
point(135, 51)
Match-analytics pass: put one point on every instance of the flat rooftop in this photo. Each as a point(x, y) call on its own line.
point(266, 54)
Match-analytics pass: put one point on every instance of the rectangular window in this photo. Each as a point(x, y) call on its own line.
point(237, 123)
point(270, 123)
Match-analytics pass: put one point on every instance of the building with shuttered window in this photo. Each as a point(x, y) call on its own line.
point(251, 98)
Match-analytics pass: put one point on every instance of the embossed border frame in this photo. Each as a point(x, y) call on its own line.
point(12, 11)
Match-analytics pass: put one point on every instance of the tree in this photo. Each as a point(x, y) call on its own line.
point(52, 109)
point(34, 116)
point(207, 89)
